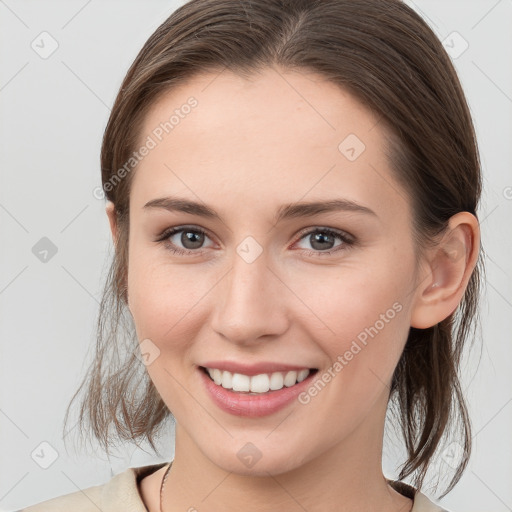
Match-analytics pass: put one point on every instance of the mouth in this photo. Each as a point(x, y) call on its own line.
point(261, 384)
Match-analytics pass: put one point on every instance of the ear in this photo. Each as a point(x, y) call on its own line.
point(112, 218)
point(448, 267)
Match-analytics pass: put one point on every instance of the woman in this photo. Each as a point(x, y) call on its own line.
point(292, 190)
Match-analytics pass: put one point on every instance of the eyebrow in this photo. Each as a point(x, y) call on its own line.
point(287, 211)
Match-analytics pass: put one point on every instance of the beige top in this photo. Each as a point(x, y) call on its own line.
point(121, 494)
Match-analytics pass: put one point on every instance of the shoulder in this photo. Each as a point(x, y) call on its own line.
point(120, 494)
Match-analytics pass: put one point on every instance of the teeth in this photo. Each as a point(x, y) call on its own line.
point(261, 383)
point(290, 379)
point(276, 381)
point(239, 382)
point(258, 384)
point(302, 375)
point(217, 376)
point(227, 380)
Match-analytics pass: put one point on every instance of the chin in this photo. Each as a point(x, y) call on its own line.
point(250, 461)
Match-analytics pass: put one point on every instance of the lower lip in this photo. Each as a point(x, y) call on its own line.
point(243, 404)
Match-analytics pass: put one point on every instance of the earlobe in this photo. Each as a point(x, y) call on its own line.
point(449, 266)
point(111, 214)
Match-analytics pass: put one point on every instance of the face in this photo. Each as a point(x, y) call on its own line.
point(257, 282)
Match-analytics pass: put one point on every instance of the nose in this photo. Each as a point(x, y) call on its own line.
point(251, 303)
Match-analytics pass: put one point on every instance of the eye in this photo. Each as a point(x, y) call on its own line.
point(322, 240)
point(192, 238)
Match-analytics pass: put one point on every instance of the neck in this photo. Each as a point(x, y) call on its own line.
point(347, 477)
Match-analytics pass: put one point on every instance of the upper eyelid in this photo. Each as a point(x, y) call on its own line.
point(320, 228)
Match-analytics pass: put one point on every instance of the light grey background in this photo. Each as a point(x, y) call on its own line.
point(53, 113)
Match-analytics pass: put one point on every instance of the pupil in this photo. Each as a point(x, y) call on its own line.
point(195, 238)
point(319, 237)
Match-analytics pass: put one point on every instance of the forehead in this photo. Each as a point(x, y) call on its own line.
point(277, 136)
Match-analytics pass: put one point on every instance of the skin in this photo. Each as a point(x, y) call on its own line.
point(250, 146)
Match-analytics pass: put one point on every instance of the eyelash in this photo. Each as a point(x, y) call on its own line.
point(348, 240)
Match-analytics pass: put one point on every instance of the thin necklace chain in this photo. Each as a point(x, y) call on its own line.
point(162, 486)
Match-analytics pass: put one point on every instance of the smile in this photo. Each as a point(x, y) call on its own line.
point(232, 392)
point(256, 384)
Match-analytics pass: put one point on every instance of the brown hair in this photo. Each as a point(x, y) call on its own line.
point(383, 53)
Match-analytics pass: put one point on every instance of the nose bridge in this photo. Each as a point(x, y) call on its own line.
point(251, 301)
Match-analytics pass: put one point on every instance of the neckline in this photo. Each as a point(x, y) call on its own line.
point(144, 471)
point(141, 472)
point(402, 488)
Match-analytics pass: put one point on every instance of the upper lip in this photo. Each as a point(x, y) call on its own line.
point(253, 369)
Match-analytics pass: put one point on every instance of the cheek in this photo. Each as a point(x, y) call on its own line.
point(348, 299)
point(164, 299)
point(360, 318)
